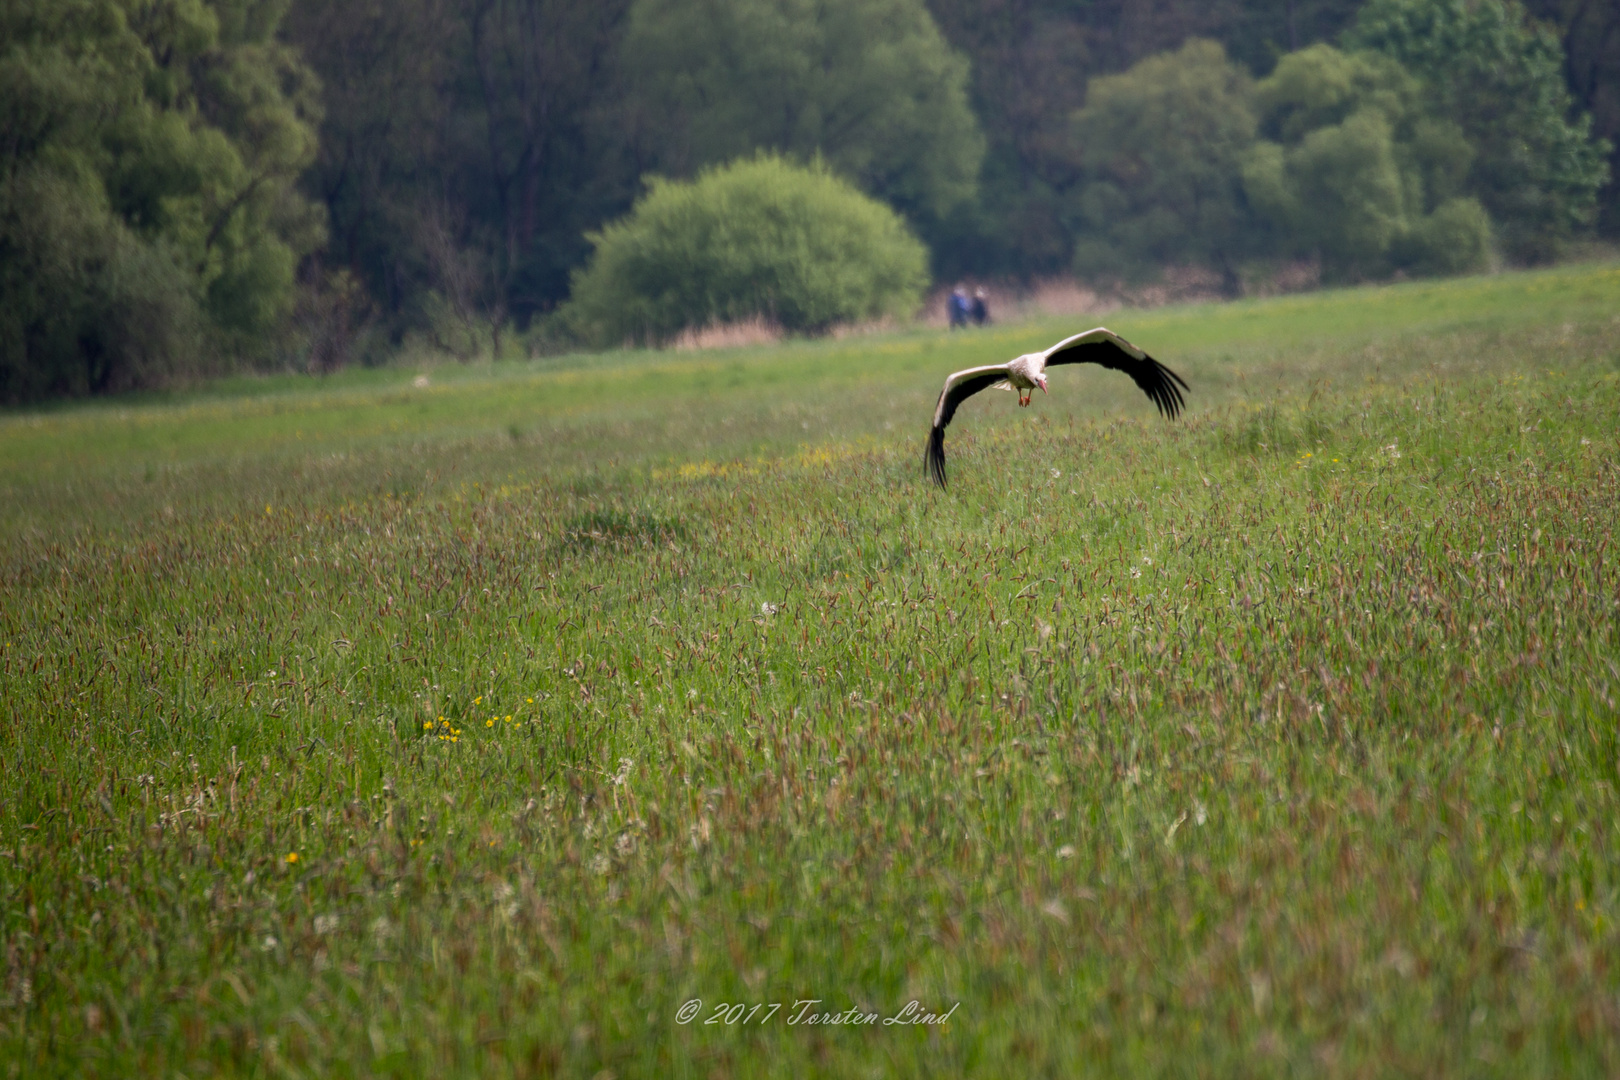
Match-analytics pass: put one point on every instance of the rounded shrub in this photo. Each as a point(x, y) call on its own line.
point(758, 238)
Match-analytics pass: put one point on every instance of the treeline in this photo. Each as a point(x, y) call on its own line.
point(187, 185)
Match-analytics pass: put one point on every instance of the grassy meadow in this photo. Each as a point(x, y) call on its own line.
point(471, 722)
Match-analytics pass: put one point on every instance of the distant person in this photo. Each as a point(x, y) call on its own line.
point(957, 307)
point(980, 311)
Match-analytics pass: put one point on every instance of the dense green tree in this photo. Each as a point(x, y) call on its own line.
point(869, 85)
point(1589, 32)
point(1501, 77)
point(1161, 148)
point(387, 70)
point(761, 238)
point(1029, 59)
point(1355, 169)
point(552, 161)
point(1032, 60)
point(468, 146)
point(147, 193)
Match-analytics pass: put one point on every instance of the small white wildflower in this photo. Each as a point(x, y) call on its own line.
point(699, 832)
point(1200, 815)
point(1066, 851)
point(325, 924)
point(768, 608)
point(1056, 473)
point(269, 944)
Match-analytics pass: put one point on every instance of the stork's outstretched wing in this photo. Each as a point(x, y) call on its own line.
point(958, 388)
point(1103, 346)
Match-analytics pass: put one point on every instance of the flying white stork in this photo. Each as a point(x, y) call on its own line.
point(1099, 346)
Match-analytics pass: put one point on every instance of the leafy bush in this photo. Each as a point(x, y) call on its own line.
point(758, 238)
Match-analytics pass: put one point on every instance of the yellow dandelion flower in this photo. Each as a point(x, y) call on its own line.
point(489, 723)
point(427, 725)
point(292, 856)
point(478, 700)
point(531, 701)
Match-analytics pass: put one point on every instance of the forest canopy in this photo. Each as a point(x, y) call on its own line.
point(188, 185)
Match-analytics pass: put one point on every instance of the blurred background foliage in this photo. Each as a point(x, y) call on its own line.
point(193, 185)
point(150, 214)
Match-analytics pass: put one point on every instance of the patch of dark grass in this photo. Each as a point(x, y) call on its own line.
point(620, 529)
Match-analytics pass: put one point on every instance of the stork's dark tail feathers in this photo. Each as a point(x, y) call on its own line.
point(935, 455)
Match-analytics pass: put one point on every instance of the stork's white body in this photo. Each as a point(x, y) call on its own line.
point(1025, 374)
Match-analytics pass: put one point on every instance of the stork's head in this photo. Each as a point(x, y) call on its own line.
point(1040, 381)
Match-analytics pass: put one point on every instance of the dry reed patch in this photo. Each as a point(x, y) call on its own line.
point(841, 331)
point(1065, 296)
point(732, 335)
point(1300, 275)
point(1176, 285)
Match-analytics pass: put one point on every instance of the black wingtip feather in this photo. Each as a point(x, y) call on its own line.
point(935, 455)
point(1164, 391)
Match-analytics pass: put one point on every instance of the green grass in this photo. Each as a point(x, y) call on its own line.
point(1280, 740)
